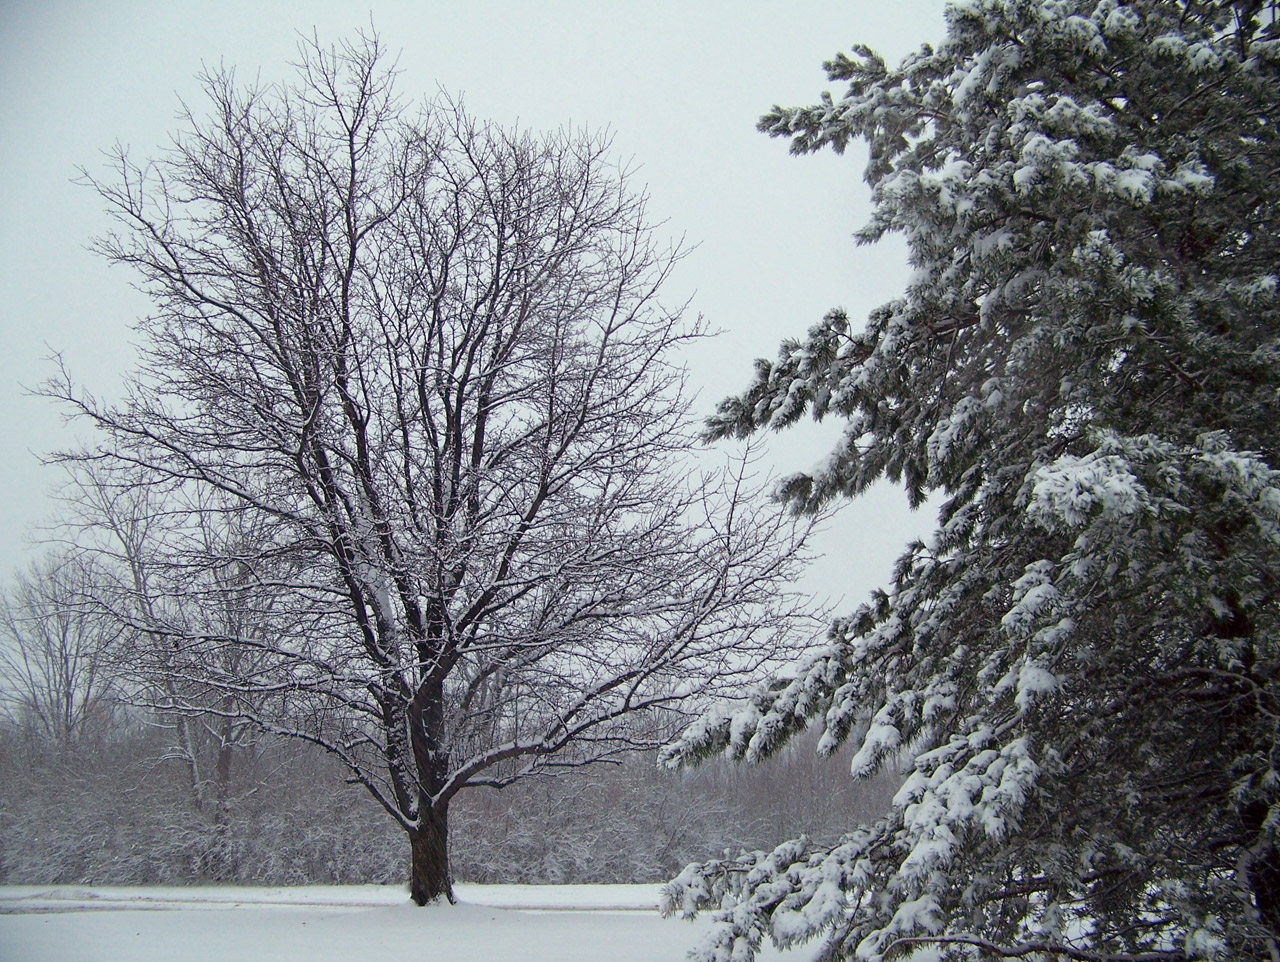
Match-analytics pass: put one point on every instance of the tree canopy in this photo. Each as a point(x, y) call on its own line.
point(1079, 672)
point(410, 445)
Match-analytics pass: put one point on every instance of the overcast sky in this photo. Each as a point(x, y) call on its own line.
point(680, 84)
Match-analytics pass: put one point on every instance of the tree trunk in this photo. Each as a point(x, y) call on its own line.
point(429, 876)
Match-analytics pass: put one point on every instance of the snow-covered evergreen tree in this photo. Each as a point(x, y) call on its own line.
point(1080, 671)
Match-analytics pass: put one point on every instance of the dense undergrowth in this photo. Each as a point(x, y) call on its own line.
point(118, 809)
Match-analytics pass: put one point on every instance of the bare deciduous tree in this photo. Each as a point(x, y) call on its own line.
point(427, 358)
point(169, 570)
point(57, 650)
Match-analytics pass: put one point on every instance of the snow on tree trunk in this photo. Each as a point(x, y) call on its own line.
point(429, 877)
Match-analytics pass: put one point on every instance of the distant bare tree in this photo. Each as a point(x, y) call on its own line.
point(58, 649)
point(423, 360)
point(150, 552)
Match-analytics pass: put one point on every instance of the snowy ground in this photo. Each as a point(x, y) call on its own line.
point(491, 923)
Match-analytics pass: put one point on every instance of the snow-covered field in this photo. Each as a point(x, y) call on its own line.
point(491, 923)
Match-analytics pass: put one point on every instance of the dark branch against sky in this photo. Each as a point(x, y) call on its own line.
point(680, 85)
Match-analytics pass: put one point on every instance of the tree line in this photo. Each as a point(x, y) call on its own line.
point(95, 789)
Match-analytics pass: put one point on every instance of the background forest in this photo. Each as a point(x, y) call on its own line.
point(116, 804)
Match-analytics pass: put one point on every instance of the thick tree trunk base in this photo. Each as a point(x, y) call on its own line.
point(429, 878)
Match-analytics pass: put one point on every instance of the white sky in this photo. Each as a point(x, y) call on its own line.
point(681, 85)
